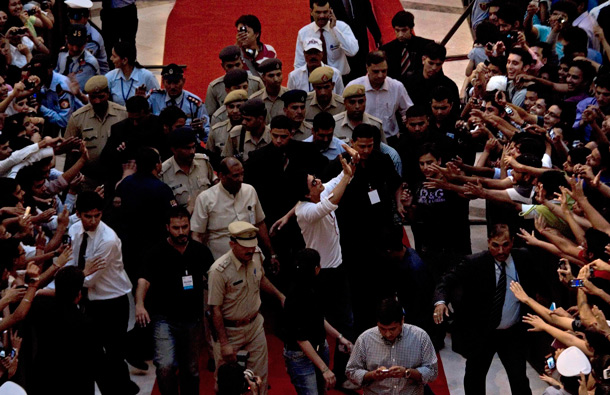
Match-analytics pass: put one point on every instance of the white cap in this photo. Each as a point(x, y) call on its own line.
point(572, 362)
point(313, 43)
point(497, 82)
point(10, 388)
point(79, 4)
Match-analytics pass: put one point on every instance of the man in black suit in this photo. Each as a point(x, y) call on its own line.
point(487, 313)
point(405, 52)
point(358, 14)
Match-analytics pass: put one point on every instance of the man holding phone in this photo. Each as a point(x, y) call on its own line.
point(392, 357)
point(338, 40)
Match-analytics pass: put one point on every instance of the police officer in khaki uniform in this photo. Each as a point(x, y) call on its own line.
point(234, 80)
point(186, 172)
point(92, 123)
point(271, 73)
point(230, 59)
point(253, 132)
point(294, 108)
point(235, 282)
point(220, 131)
point(355, 102)
point(322, 99)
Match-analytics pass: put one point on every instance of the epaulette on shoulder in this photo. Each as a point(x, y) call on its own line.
point(223, 265)
point(194, 100)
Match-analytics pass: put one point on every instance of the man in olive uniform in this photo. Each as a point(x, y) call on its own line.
point(271, 73)
point(294, 108)
point(253, 132)
point(92, 123)
point(235, 79)
point(220, 131)
point(235, 282)
point(355, 103)
point(230, 59)
point(186, 172)
point(322, 99)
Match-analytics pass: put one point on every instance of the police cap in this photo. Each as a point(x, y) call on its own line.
point(230, 53)
point(294, 96)
point(172, 72)
point(253, 108)
point(95, 84)
point(321, 75)
point(235, 77)
point(244, 233)
point(353, 91)
point(182, 137)
point(77, 34)
point(270, 64)
point(236, 95)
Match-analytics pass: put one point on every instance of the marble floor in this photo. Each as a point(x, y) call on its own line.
point(429, 15)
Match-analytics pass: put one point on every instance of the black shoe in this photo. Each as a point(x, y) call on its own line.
point(211, 365)
point(138, 364)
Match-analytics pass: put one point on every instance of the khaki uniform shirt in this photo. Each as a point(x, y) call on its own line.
point(232, 144)
point(303, 131)
point(344, 129)
point(199, 178)
point(216, 93)
point(312, 108)
point(273, 107)
point(219, 115)
point(94, 131)
point(235, 287)
point(218, 136)
point(216, 208)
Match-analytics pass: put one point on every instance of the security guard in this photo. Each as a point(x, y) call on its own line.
point(235, 282)
point(175, 95)
point(355, 102)
point(186, 172)
point(56, 100)
point(92, 123)
point(271, 73)
point(252, 134)
point(78, 12)
point(220, 131)
point(322, 99)
point(234, 79)
point(230, 59)
point(75, 59)
point(294, 108)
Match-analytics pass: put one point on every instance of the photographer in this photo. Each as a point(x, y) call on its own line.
point(253, 51)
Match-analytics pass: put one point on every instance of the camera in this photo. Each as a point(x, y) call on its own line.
point(31, 12)
point(45, 5)
point(577, 283)
point(66, 239)
point(489, 46)
point(511, 38)
point(243, 29)
point(21, 30)
point(29, 84)
point(242, 357)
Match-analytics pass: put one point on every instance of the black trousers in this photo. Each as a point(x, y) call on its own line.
point(511, 348)
point(110, 318)
point(118, 24)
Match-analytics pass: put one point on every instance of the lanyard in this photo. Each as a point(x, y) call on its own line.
point(128, 91)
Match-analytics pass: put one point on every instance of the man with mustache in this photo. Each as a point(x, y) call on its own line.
point(172, 285)
point(236, 280)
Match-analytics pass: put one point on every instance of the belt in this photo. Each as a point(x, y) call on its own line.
point(295, 347)
point(242, 322)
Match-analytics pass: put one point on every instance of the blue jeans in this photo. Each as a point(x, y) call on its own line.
point(177, 346)
point(306, 378)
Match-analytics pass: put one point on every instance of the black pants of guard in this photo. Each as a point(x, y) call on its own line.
point(118, 24)
point(511, 348)
point(110, 318)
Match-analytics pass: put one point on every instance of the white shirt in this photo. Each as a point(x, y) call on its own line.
point(122, 88)
point(340, 43)
point(594, 13)
point(112, 281)
point(299, 79)
point(587, 23)
point(318, 224)
point(383, 103)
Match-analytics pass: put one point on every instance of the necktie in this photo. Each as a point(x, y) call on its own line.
point(404, 61)
point(82, 251)
point(68, 64)
point(498, 300)
point(324, 57)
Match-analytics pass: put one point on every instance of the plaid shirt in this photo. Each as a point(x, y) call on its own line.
point(412, 349)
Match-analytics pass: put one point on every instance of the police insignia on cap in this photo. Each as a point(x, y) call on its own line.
point(353, 90)
point(321, 75)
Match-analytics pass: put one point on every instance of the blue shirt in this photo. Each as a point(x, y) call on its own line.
point(189, 103)
point(84, 66)
point(333, 149)
point(393, 154)
point(95, 45)
point(511, 313)
point(580, 108)
point(57, 102)
point(122, 89)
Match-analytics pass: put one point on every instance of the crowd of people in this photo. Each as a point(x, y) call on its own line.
point(171, 213)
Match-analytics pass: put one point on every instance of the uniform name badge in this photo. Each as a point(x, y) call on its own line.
point(374, 196)
point(187, 282)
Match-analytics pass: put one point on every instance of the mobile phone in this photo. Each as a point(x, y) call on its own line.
point(563, 264)
point(243, 29)
point(550, 361)
point(553, 306)
point(551, 133)
point(509, 111)
point(66, 239)
point(591, 272)
point(577, 283)
point(607, 374)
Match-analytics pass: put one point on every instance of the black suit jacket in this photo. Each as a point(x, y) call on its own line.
point(393, 51)
point(471, 286)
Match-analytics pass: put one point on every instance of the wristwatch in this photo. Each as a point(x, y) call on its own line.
point(407, 373)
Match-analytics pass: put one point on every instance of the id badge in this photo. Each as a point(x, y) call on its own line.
point(187, 282)
point(374, 197)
